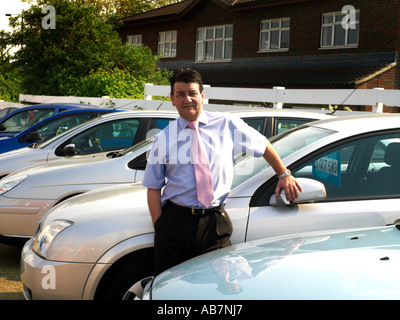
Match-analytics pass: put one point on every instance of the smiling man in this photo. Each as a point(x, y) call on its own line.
point(189, 174)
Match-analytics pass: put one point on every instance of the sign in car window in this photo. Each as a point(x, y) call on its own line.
point(328, 168)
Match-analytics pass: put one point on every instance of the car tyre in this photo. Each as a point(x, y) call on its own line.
point(123, 275)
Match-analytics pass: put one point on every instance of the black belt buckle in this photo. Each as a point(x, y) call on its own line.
point(194, 211)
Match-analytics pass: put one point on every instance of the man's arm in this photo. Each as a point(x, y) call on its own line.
point(154, 203)
point(288, 183)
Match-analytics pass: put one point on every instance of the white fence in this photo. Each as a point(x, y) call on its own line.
point(243, 97)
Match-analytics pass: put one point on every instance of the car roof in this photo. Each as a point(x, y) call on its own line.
point(360, 123)
point(145, 113)
point(282, 113)
point(243, 113)
point(68, 112)
point(64, 105)
point(44, 106)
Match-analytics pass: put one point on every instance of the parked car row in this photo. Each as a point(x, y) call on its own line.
point(99, 243)
point(50, 127)
point(26, 194)
point(23, 118)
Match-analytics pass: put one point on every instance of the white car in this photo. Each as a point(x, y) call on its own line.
point(100, 243)
point(124, 129)
point(115, 131)
point(26, 194)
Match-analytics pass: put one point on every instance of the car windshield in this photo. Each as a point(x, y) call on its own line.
point(285, 144)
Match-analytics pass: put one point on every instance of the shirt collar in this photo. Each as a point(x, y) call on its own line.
point(202, 118)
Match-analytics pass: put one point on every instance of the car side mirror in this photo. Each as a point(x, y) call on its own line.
point(2, 127)
point(69, 150)
point(34, 137)
point(312, 190)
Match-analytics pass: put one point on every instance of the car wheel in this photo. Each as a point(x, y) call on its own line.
point(136, 291)
point(121, 276)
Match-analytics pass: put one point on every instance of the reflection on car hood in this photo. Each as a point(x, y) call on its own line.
point(119, 199)
point(359, 264)
point(62, 163)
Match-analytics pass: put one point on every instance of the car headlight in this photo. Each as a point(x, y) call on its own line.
point(46, 235)
point(7, 184)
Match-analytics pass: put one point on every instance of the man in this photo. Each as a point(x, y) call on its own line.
point(186, 222)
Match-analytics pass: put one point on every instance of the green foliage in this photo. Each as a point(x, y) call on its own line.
point(9, 75)
point(10, 85)
point(82, 56)
point(136, 67)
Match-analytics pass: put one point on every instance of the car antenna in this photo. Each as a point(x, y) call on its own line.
point(341, 104)
point(160, 105)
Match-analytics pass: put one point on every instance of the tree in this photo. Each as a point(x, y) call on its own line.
point(115, 9)
point(54, 61)
point(126, 82)
point(9, 75)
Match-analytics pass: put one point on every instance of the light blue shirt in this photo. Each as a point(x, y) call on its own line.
point(169, 163)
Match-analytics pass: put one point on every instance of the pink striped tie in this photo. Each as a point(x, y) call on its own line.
point(204, 185)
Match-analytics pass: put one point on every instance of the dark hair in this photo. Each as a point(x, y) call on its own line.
point(186, 76)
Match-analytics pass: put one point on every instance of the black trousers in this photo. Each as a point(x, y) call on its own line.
point(181, 235)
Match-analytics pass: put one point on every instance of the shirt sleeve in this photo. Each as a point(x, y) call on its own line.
point(247, 139)
point(154, 174)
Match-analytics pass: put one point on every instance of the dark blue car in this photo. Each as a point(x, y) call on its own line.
point(50, 127)
point(23, 118)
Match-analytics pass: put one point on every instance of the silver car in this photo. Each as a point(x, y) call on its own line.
point(100, 243)
point(26, 194)
point(360, 264)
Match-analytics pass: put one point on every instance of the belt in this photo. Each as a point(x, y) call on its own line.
point(193, 210)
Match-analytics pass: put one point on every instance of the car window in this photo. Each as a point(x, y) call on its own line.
point(109, 136)
point(6, 111)
point(365, 168)
point(156, 125)
point(62, 124)
point(284, 144)
point(3, 113)
point(284, 124)
point(25, 119)
point(256, 123)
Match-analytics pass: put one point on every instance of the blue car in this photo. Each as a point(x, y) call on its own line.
point(23, 118)
point(50, 127)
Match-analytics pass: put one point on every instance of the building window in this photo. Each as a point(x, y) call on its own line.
point(274, 34)
point(214, 43)
point(167, 44)
point(340, 29)
point(134, 40)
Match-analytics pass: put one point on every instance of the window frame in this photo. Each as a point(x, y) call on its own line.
point(269, 31)
point(137, 40)
point(333, 25)
point(202, 43)
point(164, 38)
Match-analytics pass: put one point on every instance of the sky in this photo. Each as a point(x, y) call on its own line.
point(10, 6)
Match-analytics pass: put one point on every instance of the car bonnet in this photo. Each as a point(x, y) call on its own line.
point(358, 264)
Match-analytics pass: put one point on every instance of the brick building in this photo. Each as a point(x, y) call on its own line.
point(265, 43)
